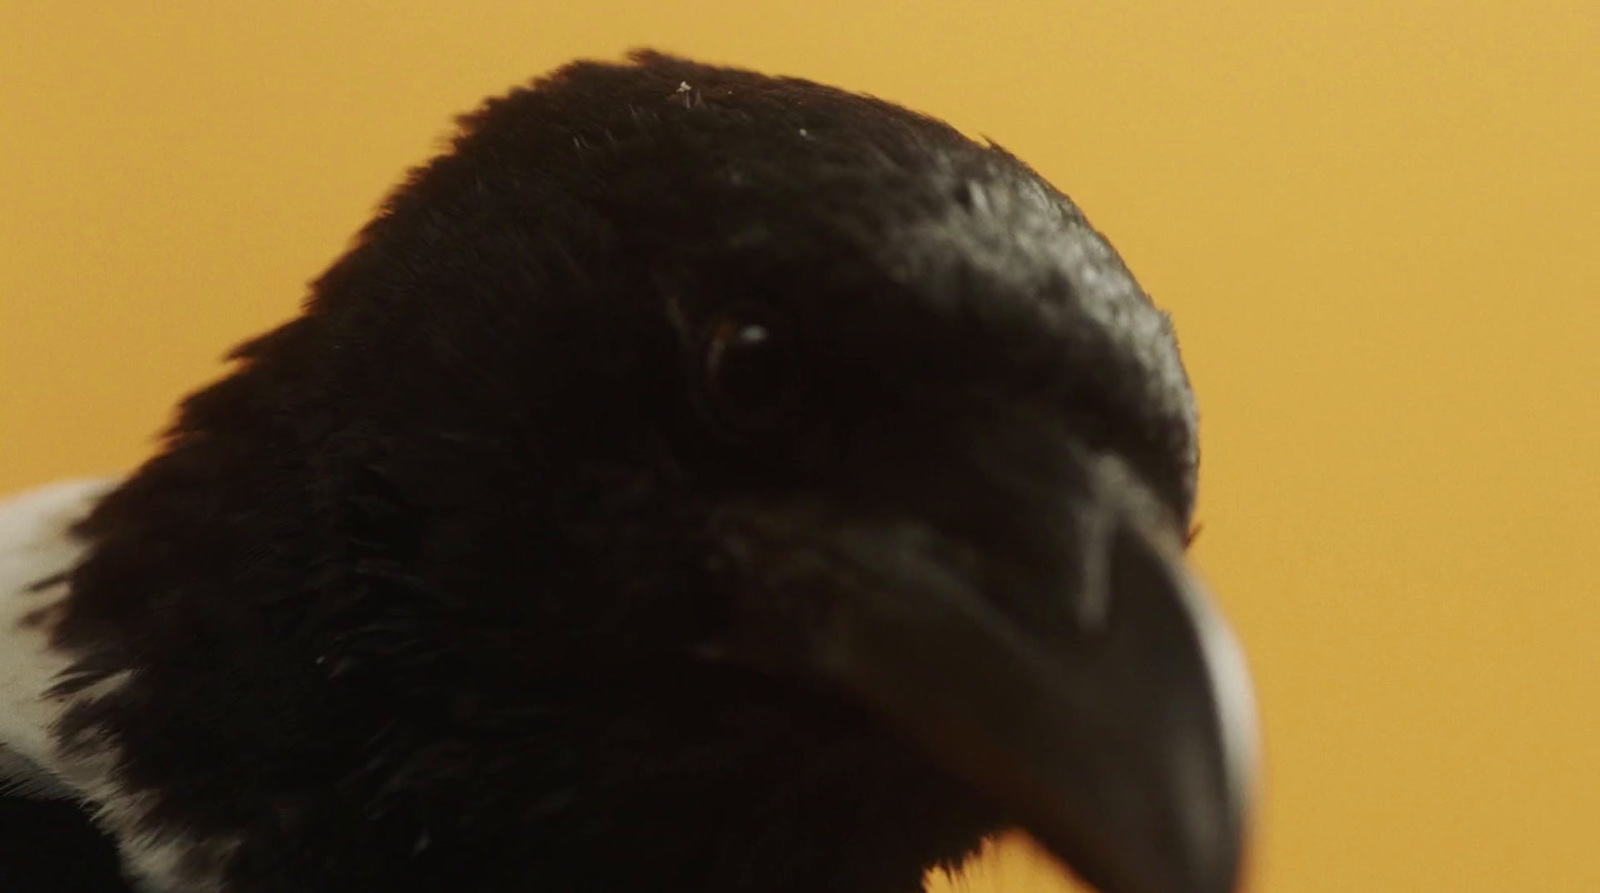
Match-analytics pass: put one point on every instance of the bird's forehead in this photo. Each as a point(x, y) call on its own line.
point(1013, 250)
point(984, 244)
point(1012, 241)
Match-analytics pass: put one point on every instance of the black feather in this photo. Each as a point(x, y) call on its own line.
point(412, 595)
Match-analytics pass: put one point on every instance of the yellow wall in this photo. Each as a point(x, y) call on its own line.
point(1377, 223)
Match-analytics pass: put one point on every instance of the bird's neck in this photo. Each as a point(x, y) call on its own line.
point(847, 818)
point(732, 790)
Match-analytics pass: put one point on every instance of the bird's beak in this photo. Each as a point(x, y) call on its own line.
point(1119, 732)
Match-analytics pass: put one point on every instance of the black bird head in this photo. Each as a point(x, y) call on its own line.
point(693, 480)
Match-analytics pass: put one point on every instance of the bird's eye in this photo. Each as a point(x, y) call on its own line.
point(748, 371)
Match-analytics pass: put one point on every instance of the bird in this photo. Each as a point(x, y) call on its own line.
point(692, 479)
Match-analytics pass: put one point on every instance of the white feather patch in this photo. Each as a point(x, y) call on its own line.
point(36, 547)
point(37, 551)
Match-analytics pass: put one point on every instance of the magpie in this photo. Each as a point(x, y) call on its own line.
point(692, 480)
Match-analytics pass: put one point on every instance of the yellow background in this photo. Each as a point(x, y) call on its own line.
point(1376, 221)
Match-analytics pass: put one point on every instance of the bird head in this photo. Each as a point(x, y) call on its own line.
point(690, 439)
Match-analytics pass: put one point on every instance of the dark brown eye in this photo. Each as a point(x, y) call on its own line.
point(748, 371)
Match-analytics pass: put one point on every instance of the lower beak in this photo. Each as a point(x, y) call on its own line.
point(1126, 746)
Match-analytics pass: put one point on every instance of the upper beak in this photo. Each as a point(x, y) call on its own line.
point(1121, 733)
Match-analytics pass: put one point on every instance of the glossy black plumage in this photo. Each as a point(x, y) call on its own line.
point(420, 596)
